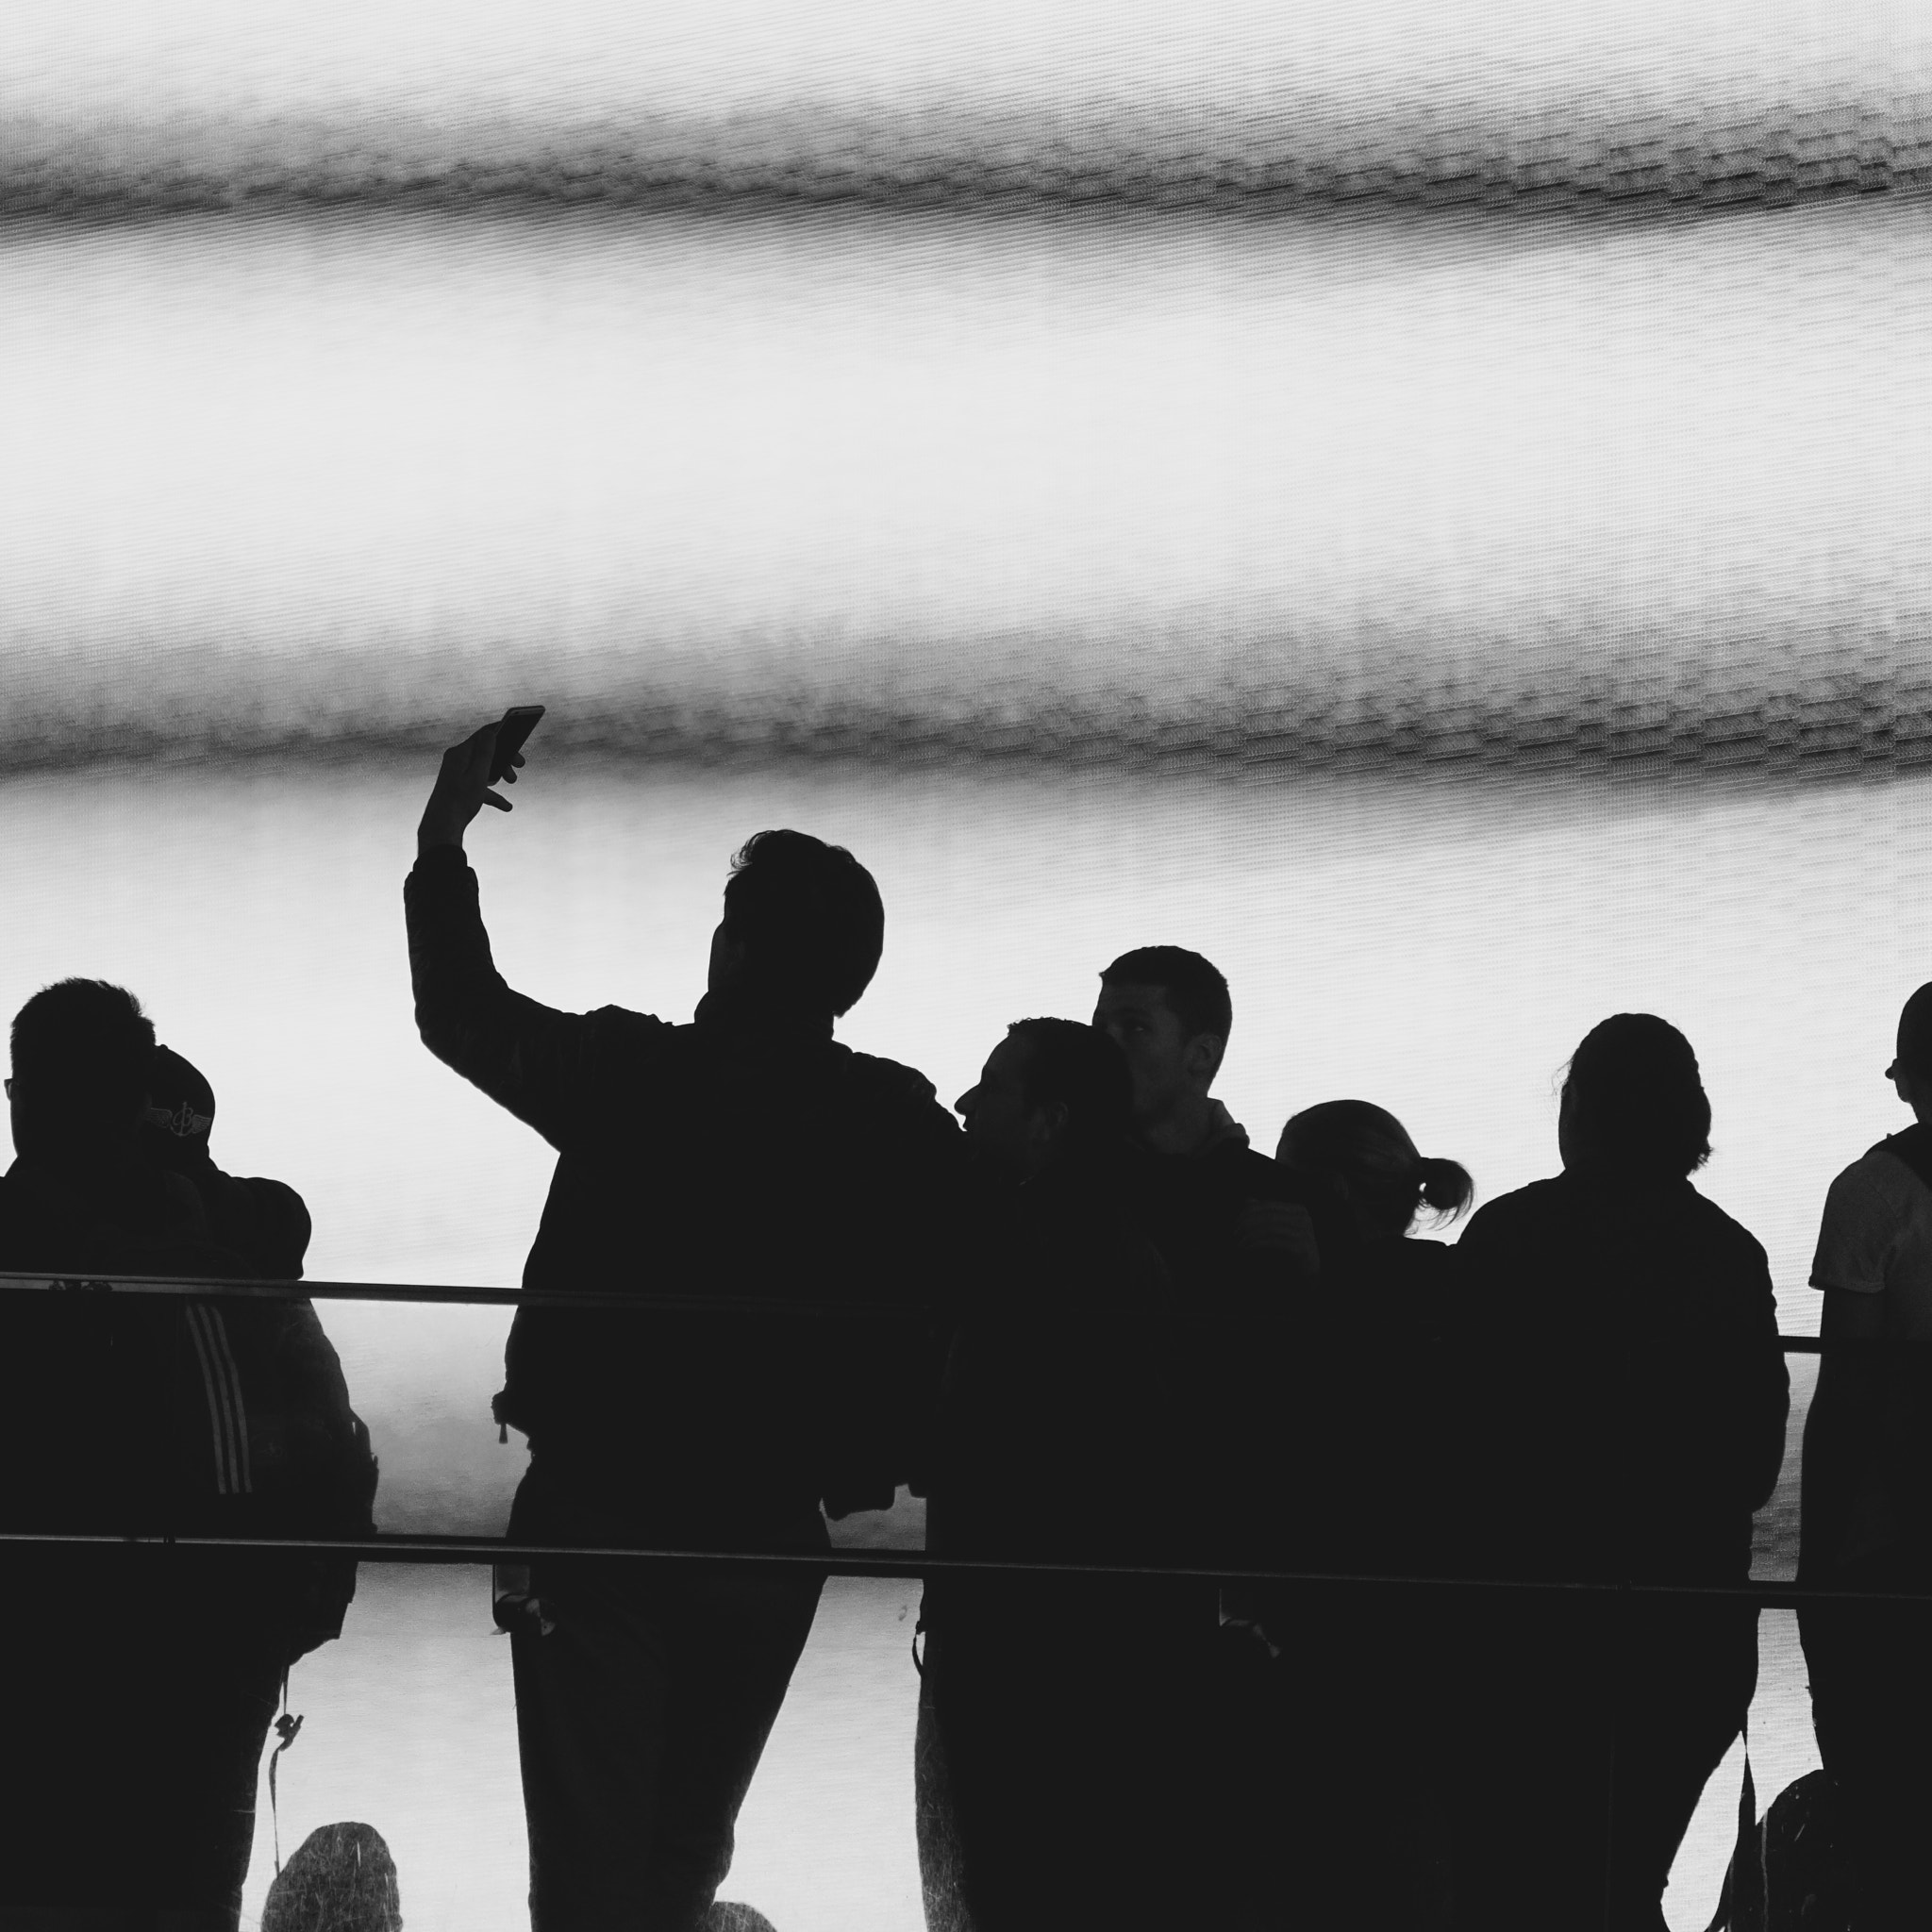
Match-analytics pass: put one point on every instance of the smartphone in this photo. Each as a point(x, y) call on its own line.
point(518, 723)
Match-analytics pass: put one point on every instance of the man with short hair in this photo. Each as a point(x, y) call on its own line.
point(1244, 1239)
point(1232, 1225)
point(144, 1679)
point(1243, 1236)
point(1057, 1744)
point(744, 1153)
point(1866, 1523)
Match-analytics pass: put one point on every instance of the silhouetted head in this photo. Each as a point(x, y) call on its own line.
point(1633, 1102)
point(804, 925)
point(83, 1052)
point(1366, 1152)
point(341, 1880)
point(1050, 1090)
point(1910, 1071)
point(1169, 1012)
point(179, 1114)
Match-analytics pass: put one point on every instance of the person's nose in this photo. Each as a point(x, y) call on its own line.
point(965, 1104)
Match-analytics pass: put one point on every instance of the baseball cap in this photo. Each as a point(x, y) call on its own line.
point(180, 1105)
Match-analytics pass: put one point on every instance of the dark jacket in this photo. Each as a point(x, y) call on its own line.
point(747, 1154)
point(1628, 1393)
point(264, 1222)
point(1243, 1310)
point(1353, 1477)
point(1057, 1432)
point(1191, 1207)
point(151, 1413)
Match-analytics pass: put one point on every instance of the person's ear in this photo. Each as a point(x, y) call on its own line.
point(1050, 1122)
point(1202, 1058)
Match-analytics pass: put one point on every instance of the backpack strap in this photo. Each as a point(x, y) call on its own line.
point(286, 1727)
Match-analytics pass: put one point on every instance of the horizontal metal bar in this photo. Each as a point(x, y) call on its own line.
point(431, 1295)
point(920, 1564)
point(478, 1297)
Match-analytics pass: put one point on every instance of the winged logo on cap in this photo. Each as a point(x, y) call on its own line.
point(183, 1122)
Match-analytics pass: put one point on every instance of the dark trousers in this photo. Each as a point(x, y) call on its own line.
point(1059, 1771)
point(1871, 1671)
point(1591, 1727)
point(132, 1716)
point(1330, 1768)
point(642, 1715)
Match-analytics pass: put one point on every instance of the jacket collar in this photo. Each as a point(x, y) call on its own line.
point(742, 1010)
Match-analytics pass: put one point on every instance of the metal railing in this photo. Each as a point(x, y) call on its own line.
point(425, 1548)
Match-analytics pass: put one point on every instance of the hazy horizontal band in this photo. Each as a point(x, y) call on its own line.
point(937, 495)
point(1607, 158)
point(1213, 707)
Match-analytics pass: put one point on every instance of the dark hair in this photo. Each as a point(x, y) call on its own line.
point(1637, 1102)
point(83, 1053)
point(1192, 986)
point(1080, 1068)
point(808, 913)
point(1367, 1151)
point(341, 1878)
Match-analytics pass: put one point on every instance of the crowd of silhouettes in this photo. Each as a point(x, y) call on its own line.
point(1295, 1568)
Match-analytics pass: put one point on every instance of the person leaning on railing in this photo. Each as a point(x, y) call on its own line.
point(265, 1221)
point(1867, 1516)
point(1059, 1752)
point(1627, 1398)
point(1332, 1825)
point(141, 1682)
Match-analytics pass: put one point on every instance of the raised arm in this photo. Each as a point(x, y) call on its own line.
point(552, 1069)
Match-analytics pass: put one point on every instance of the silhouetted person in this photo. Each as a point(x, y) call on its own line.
point(1335, 1719)
point(744, 1153)
point(142, 1682)
point(1055, 1716)
point(1867, 1518)
point(1169, 1012)
point(341, 1879)
point(1372, 1430)
point(1628, 1399)
point(265, 1221)
point(1244, 1239)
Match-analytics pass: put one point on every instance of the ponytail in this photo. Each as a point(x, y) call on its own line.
point(1446, 1187)
point(1367, 1153)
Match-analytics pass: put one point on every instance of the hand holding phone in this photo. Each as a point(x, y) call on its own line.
point(511, 736)
point(462, 786)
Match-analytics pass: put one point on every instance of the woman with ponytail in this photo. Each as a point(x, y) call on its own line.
point(1332, 1690)
point(1365, 1153)
point(1384, 1407)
